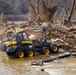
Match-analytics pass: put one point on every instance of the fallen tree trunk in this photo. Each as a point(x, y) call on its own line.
point(61, 56)
point(67, 54)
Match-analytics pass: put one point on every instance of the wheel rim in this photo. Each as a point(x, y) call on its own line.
point(55, 48)
point(21, 54)
point(47, 51)
point(30, 53)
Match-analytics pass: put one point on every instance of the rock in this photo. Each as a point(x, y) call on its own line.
point(37, 63)
point(37, 72)
point(43, 72)
point(61, 50)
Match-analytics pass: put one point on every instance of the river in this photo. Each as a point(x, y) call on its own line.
point(16, 66)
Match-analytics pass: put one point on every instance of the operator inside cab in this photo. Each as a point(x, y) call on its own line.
point(22, 36)
point(25, 36)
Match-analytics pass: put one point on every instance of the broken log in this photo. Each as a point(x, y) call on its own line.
point(73, 54)
point(61, 56)
point(67, 54)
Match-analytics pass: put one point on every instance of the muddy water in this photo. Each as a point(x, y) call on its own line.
point(63, 67)
point(14, 66)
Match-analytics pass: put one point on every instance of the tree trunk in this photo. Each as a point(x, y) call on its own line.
point(65, 9)
point(32, 10)
point(37, 7)
point(68, 21)
point(71, 13)
point(41, 10)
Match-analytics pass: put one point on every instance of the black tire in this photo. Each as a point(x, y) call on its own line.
point(19, 54)
point(54, 48)
point(46, 51)
point(30, 53)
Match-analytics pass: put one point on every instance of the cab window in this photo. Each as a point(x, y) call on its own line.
point(25, 37)
point(14, 36)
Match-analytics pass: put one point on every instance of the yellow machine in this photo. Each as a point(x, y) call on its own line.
point(20, 45)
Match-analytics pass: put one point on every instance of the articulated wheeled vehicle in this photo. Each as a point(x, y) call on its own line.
point(20, 45)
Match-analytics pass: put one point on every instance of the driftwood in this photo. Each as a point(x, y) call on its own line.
point(64, 55)
point(61, 56)
point(58, 57)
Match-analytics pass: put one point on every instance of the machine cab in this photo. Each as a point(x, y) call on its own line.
point(20, 37)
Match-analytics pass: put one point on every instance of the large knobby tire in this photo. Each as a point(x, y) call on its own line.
point(30, 53)
point(19, 54)
point(46, 51)
point(54, 48)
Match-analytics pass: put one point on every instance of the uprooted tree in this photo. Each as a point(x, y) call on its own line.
point(41, 10)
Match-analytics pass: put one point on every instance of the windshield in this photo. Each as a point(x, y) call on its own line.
point(20, 37)
point(14, 37)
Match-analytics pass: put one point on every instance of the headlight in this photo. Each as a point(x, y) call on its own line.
point(30, 46)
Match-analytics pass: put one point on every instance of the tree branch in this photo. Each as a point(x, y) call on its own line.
point(71, 10)
point(32, 6)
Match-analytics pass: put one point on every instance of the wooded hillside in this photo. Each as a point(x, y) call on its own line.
point(13, 7)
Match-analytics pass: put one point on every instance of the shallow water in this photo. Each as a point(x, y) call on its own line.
point(15, 66)
point(63, 67)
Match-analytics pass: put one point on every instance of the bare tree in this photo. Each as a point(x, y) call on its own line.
point(72, 10)
point(65, 9)
point(37, 7)
point(32, 9)
point(68, 21)
point(41, 10)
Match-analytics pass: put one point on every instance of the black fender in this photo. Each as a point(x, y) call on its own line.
point(24, 48)
point(42, 51)
point(10, 49)
point(19, 48)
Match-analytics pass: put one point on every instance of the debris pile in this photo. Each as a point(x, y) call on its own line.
point(5, 28)
point(63, 36)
